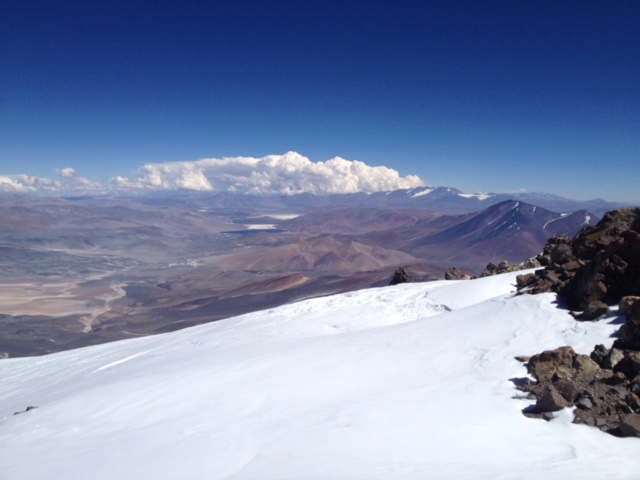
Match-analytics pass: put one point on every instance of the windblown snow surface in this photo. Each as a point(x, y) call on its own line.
point(404, 382)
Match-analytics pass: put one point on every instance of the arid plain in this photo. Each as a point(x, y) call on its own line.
point(77, 272)
point(88, 270)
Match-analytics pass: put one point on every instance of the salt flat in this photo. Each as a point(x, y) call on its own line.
point(58, 298)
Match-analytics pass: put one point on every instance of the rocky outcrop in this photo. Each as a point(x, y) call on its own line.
point(604, 387)
point(505, 267)
point(629, 333)
point(400, 276)
point(454, 274)
point(596, 268)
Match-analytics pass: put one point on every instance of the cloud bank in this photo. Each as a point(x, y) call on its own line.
point(66, 182)
point(286, 174)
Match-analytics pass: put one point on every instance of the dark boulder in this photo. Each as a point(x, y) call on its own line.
point(630, 307)
point(593, 310)
point(630, 425)
point(599, 354)
point(629, 336)
point(550, 400)
point(505, 267)
point(454, 274)
point(400, 276)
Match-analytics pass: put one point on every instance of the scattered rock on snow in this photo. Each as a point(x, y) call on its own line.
point(454, 274)
point(552, 364)
point(30, 407)
point(504, 267)
point(400, 276)
point(550, 400)
point(593, 310)
point(601, 386)
point(598, 268)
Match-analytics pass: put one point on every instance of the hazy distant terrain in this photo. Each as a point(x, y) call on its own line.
point(86, 270)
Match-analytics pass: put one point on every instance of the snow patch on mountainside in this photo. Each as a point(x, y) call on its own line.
point(404, 382)
point(562, 215)
point(479, 196)
point(424, 192)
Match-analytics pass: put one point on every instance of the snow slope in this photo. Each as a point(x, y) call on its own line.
point(404, 382)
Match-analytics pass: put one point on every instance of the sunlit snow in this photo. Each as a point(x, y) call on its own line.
point(422, 193)
point(479, 196)
point(404, 382)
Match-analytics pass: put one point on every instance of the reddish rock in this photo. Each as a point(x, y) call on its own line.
point(552, 364)
point(550, 400)
point(630, 425)
point(569, 389)
point(617, 378)
point(630, 307)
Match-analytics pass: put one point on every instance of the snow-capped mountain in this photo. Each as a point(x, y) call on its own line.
point(404, 382)
point(510, 230)
point(452, 200)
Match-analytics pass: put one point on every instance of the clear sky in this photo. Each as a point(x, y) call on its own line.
point(479, 95)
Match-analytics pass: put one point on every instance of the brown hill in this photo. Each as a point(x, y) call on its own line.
point(323, 253)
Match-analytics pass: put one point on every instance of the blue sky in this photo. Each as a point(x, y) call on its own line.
point(479, 95)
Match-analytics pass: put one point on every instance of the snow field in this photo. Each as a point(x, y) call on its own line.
point(404, 382)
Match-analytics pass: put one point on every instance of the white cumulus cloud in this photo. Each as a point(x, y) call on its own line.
point(27, 183)
point(287, 174)
point(67, 183)
point(67, 172)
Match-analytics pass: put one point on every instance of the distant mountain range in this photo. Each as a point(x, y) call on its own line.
point(439, 199)
point(453, 200)
point(435, 199)
point(510, 230)
point(76, 271)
